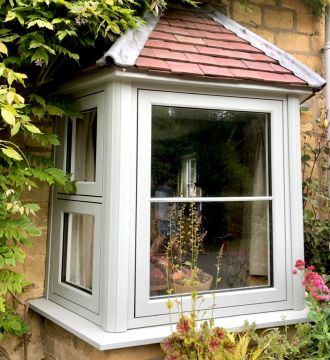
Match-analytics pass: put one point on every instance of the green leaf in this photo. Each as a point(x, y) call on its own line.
point(41, 24)
point(13, 154)
point(32, 128)
point(2, 261)
point(14, 130)
point(8, 117)
point(3, 48)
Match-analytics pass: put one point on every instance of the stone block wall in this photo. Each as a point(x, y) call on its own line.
point(288, 24)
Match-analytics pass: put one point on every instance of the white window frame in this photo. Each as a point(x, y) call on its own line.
point(119, 292)
point(253, 299)
point(88, 199)
point(85, 103)
point(75, 295)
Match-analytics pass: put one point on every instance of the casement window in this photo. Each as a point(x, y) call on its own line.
point(77, 226)
point(225, 155)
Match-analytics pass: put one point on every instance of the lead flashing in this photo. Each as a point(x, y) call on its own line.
point(127, 48)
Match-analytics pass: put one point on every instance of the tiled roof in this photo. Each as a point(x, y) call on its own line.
point(191, 43)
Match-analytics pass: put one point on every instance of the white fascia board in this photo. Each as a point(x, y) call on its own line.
point(107, 75)
point(95, 336)
point(127, 48)
point(314, 80)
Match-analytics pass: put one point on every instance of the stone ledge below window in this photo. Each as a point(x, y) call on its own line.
point(95, 336)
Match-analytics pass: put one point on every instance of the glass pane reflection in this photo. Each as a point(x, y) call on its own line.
point(209, 153)
point(242, 228)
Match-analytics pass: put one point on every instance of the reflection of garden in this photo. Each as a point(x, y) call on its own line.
point(217, 154)
point(235, 270)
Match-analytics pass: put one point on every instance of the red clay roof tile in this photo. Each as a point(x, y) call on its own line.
point(187, 42)
point(231, 63)
point(184, 68)
point(201, 59)
point(161, 35)
point(151, 63)
point(216, 71)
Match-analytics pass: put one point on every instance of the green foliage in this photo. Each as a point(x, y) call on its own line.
point(318, 302)
point(315, 152)
point(42, 40)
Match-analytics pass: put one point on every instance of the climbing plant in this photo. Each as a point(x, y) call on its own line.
point(40, 41)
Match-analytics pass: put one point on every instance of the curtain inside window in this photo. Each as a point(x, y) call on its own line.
point(81, 261)
point(85, 147)
point(258, 249)
point(82, 235)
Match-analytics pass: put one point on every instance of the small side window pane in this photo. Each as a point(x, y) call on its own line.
point(82, 147)
point(77, 259)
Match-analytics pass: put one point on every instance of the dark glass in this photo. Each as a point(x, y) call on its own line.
point(209, 153)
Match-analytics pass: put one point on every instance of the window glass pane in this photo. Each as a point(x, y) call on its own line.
point(78, 239)
point(209, 153)
point(180, 230)
point(83, 153)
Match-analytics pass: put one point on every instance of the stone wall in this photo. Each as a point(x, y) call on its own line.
point(288, 24)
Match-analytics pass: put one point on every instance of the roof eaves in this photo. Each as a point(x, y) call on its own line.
point(127, 48)
point(313, 80)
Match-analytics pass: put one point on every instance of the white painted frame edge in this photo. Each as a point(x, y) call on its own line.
point(147, 98)
point(87, 102)
point(77, 298)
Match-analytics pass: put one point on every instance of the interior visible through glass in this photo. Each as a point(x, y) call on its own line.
point(78, 239)
point(84, 150)
point(210, 154)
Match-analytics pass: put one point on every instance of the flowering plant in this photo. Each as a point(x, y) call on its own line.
point(184, 247)
point(318, 301)
point(192, 341)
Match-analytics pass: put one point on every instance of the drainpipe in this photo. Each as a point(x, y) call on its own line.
point(327, 68)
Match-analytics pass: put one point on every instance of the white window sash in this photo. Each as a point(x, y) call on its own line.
point(278, 294)
point(89, 102)
point(78, 298)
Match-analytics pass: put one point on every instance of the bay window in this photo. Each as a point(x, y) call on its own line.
point(137, 163)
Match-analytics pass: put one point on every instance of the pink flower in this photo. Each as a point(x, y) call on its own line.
point(184, 325)
point(300, 264)
point(213, 344)
point(168, 344)
point(311, 267)
point(294, 271)
point(219, 333)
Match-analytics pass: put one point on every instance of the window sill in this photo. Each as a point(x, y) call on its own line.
point(102, 340)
